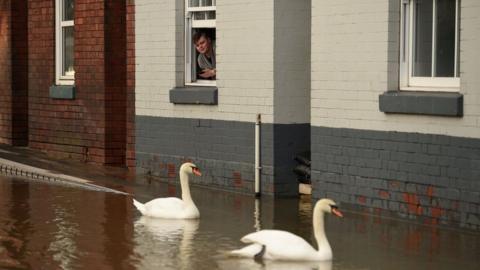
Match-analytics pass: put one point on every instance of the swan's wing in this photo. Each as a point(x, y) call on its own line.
point(165, 207)
point(248, 251)
point(281, 245)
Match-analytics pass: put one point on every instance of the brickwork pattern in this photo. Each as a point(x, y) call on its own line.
point(130, 84)
point(19, 73)
point(245, 73)
point(355, 49)
point(115, 82)
point(5, 73)
point(430, 178)
point(224, 150)
point(92, 127)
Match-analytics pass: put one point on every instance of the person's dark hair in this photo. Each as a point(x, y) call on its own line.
point(198, 35)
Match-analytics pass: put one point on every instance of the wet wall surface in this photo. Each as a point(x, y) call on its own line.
point(45, 226)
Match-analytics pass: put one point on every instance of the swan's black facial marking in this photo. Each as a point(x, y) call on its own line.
point(259, 256)
point(196, 170)
point(334, 210)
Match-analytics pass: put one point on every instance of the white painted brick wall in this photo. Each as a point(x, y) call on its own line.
point(353, 63)
point(244, 60)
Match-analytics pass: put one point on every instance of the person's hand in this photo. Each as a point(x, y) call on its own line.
point(208, 73)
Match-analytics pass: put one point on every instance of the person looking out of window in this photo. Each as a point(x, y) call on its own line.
point(206, 56)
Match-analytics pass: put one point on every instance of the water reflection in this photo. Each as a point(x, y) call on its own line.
point(58, 227)
point(160, 240)
point(241, 264)
point(63, 245)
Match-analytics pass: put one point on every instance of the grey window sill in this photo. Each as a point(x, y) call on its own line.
point(62, 91)
point(419, 102)
point(206, 95)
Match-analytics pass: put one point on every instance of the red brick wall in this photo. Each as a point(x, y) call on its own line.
point(19, 72)
point(115, 81)
point(56, 126)
point(92, 127)
point(130, 117)
point(5, 73)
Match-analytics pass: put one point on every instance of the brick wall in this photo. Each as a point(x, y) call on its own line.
point(355, 49)
point(245, 73)
point(92, 126)
point(19, 72)
point(115, 81)
point(425, 177)
point(5, 73)
point(130, 84)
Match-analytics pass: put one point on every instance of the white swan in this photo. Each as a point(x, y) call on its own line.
point(282, 245)
point(172, 207)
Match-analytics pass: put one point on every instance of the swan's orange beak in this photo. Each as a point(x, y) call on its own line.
point(196, 171)
point(337, 212)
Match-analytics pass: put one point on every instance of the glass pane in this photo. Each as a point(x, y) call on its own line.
point(68, 7)
point(199, 15)
point(68, 51)
point(211, 15)
point(445, 39)
point(194, 3)
point(207, 3)
point(422, 50)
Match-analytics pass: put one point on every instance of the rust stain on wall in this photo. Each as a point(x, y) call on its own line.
point(413, 203)
point(237, 179)
point(171, 170)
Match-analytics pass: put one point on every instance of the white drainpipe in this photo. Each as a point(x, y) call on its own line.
point(258, 168)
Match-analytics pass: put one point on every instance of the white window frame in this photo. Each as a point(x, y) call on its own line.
point(61, 79)
point(409, 82)
point(190, 23)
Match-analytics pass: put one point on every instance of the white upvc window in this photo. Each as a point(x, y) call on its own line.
point(64, 35)
point(429, 50)
point(199, 17)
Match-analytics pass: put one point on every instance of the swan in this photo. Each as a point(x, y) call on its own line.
point(282, 245)
point(174, 208)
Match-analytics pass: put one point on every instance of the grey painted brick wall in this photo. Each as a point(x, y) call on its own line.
point(224, 150)
point(431, 178)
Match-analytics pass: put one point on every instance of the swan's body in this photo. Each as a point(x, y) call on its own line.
point(282, 245)
point(173, 208)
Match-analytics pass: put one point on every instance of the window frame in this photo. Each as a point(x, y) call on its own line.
point(416, 83)
point(60, 24)
point(190, 24)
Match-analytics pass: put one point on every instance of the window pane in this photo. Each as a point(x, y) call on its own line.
point(68, 51)
point(445, 39)
point(422, 51)
point(211, 15)
point(199, 15)
point(68, 7)
point(194, 3)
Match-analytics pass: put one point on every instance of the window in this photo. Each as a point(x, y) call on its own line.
point(64, 24)
point(430, 45)
point(200, 62)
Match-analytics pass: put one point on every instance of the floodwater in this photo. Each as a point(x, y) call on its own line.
point(45, 226)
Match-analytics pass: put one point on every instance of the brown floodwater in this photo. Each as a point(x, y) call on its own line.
point(46, 226)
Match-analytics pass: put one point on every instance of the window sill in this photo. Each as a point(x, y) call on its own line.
point(62, 91)
point(423, 103)
point(206, 95)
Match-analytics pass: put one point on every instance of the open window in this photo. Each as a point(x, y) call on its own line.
point(64, 42)
point(200, 34)
point(430, 45)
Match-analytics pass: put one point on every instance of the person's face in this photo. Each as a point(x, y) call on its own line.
point(203, 44)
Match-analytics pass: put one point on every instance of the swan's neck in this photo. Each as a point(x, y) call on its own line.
point(186, 196)
point(319, 231)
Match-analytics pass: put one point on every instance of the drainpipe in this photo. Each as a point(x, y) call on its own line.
point(258, 168)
